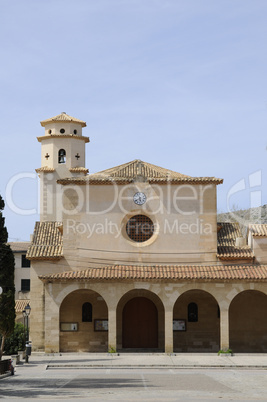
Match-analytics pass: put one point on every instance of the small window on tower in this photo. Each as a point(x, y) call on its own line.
point(62, 156)
point(49, 131)
point(74, 131)
point(62, 130)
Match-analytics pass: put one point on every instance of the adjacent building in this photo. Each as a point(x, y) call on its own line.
point(22, 277)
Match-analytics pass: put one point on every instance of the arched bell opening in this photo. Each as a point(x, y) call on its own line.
point(62, 156)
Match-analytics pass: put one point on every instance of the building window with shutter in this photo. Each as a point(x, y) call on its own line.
point(24, 262)
point(25, 285)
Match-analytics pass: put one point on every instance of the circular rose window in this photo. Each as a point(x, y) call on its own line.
point(140, 228)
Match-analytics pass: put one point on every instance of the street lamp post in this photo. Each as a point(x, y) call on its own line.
point(26, 314)
point(24, 317)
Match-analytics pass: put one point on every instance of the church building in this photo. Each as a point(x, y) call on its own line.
point(132, 259)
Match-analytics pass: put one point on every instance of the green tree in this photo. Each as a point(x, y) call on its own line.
point(7, 298)
point(15, 341)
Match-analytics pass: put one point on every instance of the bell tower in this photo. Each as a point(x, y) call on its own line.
point(62, 156)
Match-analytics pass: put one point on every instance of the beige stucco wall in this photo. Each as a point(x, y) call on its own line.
point(20, 273)
point(72, 146)
point(37, 330)
point(69, 128)
point(259, 247)
point(95, 218)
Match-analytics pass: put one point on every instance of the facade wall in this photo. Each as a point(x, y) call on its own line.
point(39, 302)
point(171, 300)
point(72, 146)
point(259, 247)
point(69, 128)
point(20, 273)
point(95, 221)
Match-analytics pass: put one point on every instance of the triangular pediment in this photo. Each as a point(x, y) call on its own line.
point(137, 168)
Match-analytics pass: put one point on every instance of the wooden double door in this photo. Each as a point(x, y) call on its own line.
point(140, 324)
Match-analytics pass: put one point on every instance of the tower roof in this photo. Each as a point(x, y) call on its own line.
point(64, 117)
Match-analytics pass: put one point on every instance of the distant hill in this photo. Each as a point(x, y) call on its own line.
point(251, 215)
point(244, 217)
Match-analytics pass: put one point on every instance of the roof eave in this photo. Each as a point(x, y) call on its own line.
point(77, 137)
point(47, 258)
point(108, 181)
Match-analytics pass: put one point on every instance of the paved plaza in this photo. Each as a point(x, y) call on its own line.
point(131, 377)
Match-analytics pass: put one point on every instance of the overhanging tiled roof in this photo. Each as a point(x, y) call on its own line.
point(64, 117)
point(19, 246)
point(20, 305)
point(47, 242)
point(228, 232)
point(160, 272)
point(131, 171)
point(45, 169)
point(258, 230)
point(78, 170)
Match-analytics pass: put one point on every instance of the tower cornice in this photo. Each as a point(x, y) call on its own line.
point(77, 137)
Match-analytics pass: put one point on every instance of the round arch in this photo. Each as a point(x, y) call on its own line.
point(73, 287)
point(81, 314)
point(140, 321)
point(248, 322)
point(201, 314)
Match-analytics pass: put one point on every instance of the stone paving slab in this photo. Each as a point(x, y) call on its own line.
point(132, 360)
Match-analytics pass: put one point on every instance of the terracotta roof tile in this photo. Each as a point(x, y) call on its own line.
point(19, 246)
point(47, 242)
point(228, 232)
point(160, 272)
point(258, 230)
point(128, 172)
point(78, 170)
point(45, 169)
point(20, 305)
point(63, 117)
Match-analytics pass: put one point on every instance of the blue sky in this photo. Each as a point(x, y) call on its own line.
point(180, 84)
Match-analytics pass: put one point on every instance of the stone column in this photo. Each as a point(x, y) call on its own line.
point(51, 322)
point(168, 329)
point(224, 327)
point(37, 324)
point(112, 329)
